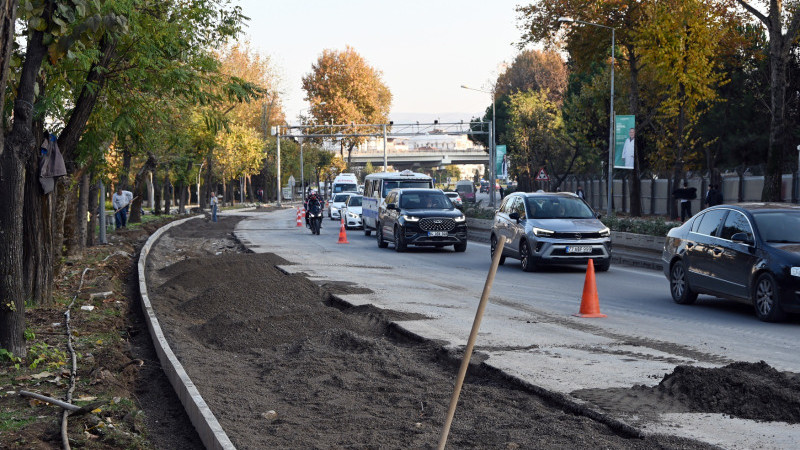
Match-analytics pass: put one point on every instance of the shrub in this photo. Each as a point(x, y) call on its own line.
point(649, 226)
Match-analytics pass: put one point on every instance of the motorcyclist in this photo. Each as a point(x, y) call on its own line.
point(313, 204)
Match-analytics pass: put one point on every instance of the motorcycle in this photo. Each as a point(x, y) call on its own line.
point(315, 221)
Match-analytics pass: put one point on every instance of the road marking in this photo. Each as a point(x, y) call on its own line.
point(648, 272)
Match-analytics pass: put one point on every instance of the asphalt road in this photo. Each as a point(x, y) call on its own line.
point(529, 329)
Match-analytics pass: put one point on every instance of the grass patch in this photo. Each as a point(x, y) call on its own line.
point(10, 421)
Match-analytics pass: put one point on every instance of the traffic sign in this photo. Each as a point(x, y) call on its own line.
point(542, 176)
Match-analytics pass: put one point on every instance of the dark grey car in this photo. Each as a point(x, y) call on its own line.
point(550, 228)
point(748, 252)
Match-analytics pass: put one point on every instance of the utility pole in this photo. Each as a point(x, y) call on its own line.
point(278, 161)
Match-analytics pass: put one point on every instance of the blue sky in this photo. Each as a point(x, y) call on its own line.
point(425, 49)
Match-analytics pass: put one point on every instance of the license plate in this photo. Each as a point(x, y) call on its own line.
point(437, 233)
point(579, 249)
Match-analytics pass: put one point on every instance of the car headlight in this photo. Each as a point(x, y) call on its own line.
point(410, 218)
point(353, 215)
point(460, 218)
point(605, 232)
point(796, 271)
point(333, 208)
point(541, 232)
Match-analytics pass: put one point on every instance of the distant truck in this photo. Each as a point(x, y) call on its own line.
point(344, 182)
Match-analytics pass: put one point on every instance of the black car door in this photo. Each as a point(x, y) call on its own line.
point(701, 250)
point(734, 261)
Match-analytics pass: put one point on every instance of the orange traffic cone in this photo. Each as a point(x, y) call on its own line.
point(299, 218)
point(590, 305)
point(342, 234)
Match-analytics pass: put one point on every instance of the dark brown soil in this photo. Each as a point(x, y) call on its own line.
point(747, 390)
point(753, 391)
point(283, 364)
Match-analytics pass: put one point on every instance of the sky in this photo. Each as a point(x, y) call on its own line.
point(425, 49)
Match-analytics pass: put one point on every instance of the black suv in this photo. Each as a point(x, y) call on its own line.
point(420, 217)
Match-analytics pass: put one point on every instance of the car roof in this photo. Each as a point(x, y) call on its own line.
point(758, 206)
point(546, 194)
point(415, 190)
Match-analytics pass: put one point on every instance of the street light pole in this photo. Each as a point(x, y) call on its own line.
point(492, 144)
point(610, 181)
point(278, 163)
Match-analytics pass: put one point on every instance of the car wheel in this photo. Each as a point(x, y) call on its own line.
point(367, 231)
point(603, 266)
point(766, 299)
point(462, 247)
point(493, 242)
point(399, 240)
point(379, 236)
point(679, 285)
point(525, 257)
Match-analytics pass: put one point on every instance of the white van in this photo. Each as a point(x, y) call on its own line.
point(377, 186)
point(344, 182)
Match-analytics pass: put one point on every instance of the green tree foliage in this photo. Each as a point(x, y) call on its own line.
point(679, 41)
point(536, 136)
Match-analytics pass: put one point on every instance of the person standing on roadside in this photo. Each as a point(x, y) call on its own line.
point(713, 196)
point(213, 204)
point(120, 201)
point(579, 192)
point(685, 195)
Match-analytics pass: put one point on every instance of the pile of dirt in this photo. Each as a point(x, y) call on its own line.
point(746, 390)
point(284, 365)
point(754, 391)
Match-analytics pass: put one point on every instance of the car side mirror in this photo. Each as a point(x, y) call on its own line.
point(742, 238)
point(514, 216)
point(391, 206)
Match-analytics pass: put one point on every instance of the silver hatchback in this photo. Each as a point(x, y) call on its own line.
point(550, 228)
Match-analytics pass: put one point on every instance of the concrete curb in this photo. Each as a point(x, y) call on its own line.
point(207, 426)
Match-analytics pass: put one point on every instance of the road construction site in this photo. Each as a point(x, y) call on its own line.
point(294, 340)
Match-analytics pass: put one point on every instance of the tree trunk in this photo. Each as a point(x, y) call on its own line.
point(250, 192)
point(776, 153)
point(81, 219)
point(94, 192)
point(66, 225)
point(140, 189)
point(157, 189)
point(38, 237)
point(17, 148)
point(126, 170)
point(8, 16)
point(181, 188)
point(168, 190)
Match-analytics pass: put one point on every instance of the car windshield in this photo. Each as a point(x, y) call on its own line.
point(354, 201)
point(465, 188)
point(425, 200)
point(344, 188)
point(778, 226)
point(388, 185)
point(341, 198)
point(558, 208)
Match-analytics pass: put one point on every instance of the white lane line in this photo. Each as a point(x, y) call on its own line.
point(648, 272)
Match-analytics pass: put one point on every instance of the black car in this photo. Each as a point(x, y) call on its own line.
point(748, 252)
point(424, 217)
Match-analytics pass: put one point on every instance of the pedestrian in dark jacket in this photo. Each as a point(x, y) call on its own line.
point(685, 195)
point(713, 196)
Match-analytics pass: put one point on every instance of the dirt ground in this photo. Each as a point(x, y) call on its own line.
point(283, 364)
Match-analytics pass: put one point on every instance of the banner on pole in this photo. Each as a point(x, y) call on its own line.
point(624, 140)
point(501, 162)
